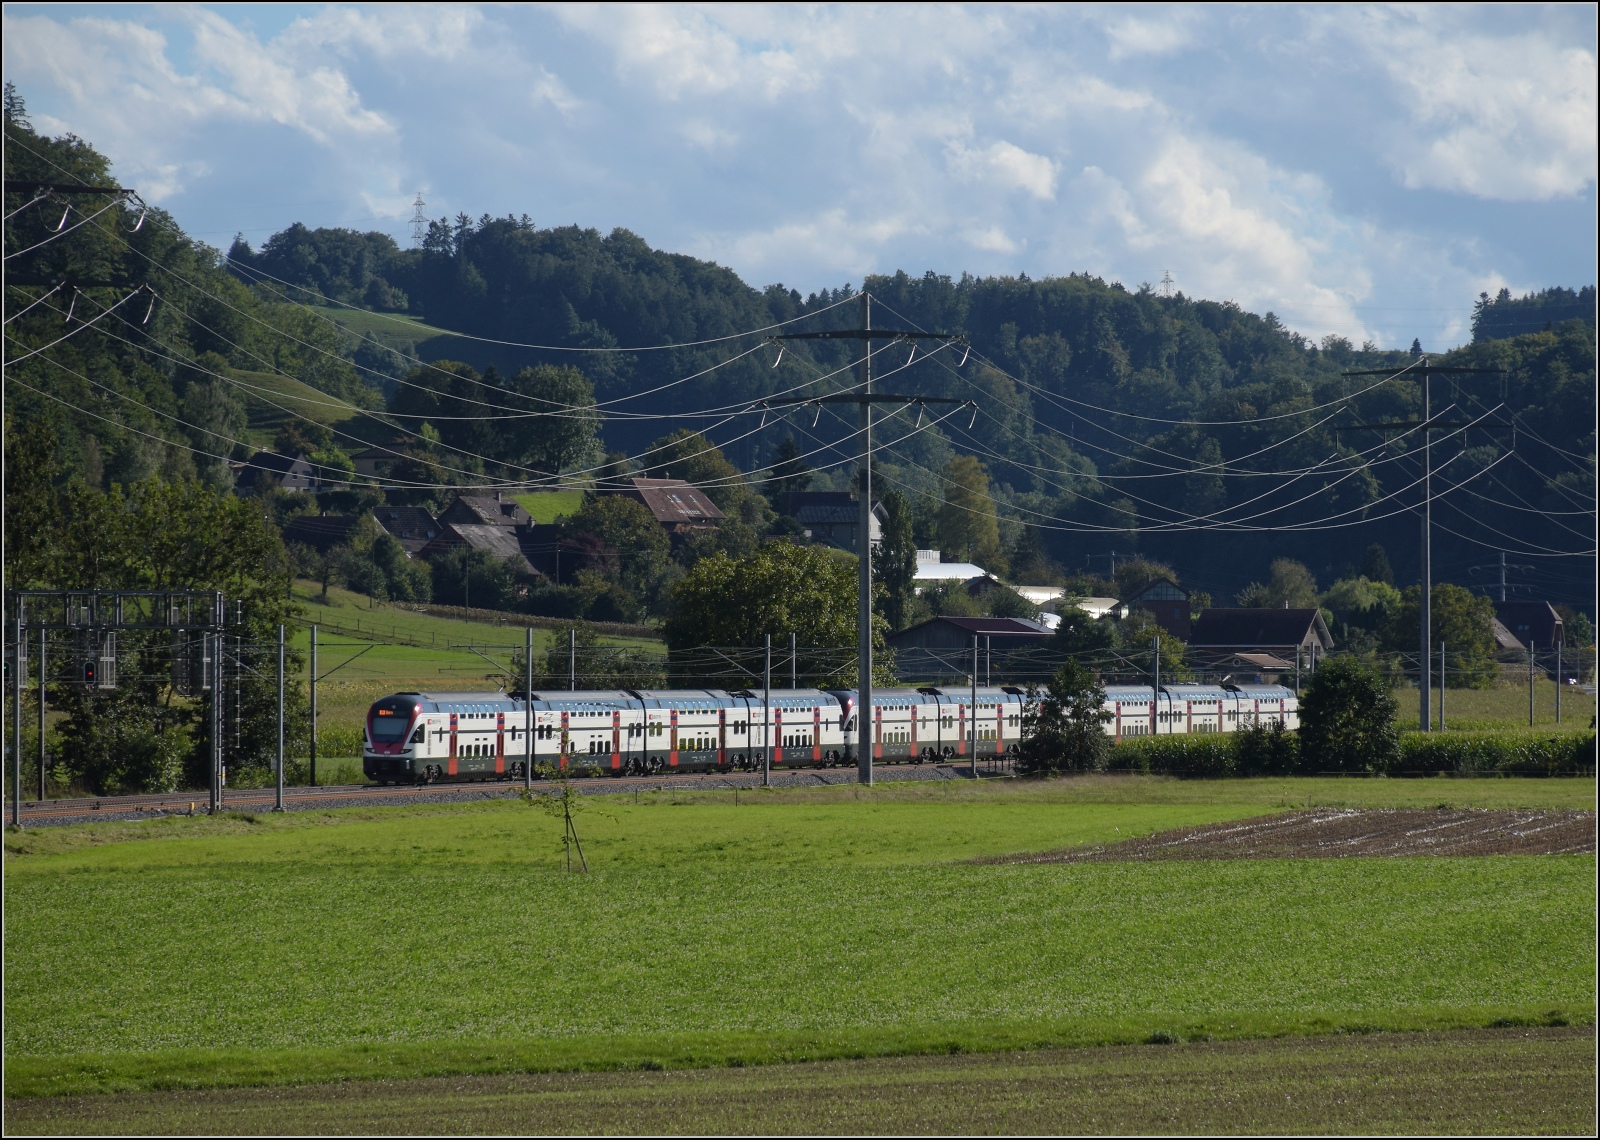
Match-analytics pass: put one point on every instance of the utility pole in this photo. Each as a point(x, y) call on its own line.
point(1502, 575)
point(794, 664)
point(972, 709)
point(1559, 681)
point(572, 660)
point(313, 706)
point(219, 724)
point(43, 674)
point(1441, 686)
point(766, 718)
point(19, 662)
point(527, 690)
point(863, 397)
point(277, 803)
point(1155, 672)
point(419, 222)
point(1530, 682)
point(1424, 371)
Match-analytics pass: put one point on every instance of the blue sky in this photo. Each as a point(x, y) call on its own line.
point(1365, 171)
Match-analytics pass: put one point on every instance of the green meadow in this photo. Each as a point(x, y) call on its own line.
point(740, 928)
point(1503, 707)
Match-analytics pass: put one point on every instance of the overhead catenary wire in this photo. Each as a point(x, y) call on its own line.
point(426, 365)
point(80, 328)
point(1192, 470)
point(59, 234)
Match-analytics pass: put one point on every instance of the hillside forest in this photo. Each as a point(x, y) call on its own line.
point(1105, 432)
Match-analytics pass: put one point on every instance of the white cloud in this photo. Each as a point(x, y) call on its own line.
point(438, 31)
point(680, 49)
point(832, 241)
point(1244, 149)
point(1007, 165)
point(1506, 117)
point(991, 239)
point(1135, 37)
point(548, 88)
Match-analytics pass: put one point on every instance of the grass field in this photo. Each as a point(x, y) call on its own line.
point(1501, 1081)
point(1505, 706)
point(270, 399)
point(731, 928)
point(386, 328)
point(437, 657)
point(548, 506)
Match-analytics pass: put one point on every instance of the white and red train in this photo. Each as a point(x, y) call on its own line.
point(427, 737)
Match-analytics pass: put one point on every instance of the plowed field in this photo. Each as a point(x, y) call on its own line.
point(1330, 833)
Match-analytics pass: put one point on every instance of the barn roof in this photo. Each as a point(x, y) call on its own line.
point(673, 502)
point(1264, 627)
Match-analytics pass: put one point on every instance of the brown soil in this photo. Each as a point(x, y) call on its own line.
point(1331, 833)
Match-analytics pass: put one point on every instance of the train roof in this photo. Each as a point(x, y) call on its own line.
point(703, 699)
point(1263, 690)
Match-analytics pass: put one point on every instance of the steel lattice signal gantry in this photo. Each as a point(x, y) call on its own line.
point(863, 397)
point(96, 617)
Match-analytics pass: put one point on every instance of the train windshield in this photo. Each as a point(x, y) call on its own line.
point(390, 718)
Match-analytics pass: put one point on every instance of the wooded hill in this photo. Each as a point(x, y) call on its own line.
point(1109, 419)
point(1101, 407)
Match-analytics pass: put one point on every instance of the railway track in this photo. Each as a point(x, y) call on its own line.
point(83, 808)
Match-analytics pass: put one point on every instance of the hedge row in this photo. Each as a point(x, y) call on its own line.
point(1498, 753)
point(1278, 754)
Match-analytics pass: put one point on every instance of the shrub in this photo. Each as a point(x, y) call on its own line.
point(1265, 750)
point(1347, 719)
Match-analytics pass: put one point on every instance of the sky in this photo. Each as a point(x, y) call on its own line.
point(1360, 171)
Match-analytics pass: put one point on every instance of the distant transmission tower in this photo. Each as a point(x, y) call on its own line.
point(1166, 275)
point(419, 223)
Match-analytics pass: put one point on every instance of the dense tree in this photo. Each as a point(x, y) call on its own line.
point(563, 429)
point(780, 589)
point(1461, 621)
point(1134, 574)
point(968, 524)
point(1347, 719)
point(788, 471)
point(142, 736)
point(1375, 565)
point(1062, 729)
point(1080, 633)
point(632, 549)
point(895, 562)
point(1289, 586)
point(462, 576)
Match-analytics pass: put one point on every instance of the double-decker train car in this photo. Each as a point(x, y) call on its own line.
point(1183, 709)
point(428, 737)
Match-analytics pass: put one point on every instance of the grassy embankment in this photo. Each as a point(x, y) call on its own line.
point(408, 650)
point(728, 929)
